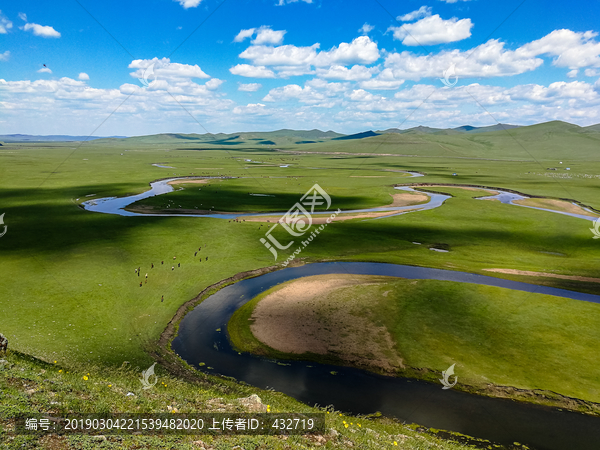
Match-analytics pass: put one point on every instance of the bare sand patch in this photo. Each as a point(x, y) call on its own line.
point(318, 220)
point(189, 181)
point(408, 199)
point(303, 316)
point(398, 200)
point(467, 188)
point(544, 274)
point(555, 205)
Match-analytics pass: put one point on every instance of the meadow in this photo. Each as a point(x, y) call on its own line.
point(70, 290)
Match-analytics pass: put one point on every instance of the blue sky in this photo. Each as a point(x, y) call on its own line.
point(267, 64)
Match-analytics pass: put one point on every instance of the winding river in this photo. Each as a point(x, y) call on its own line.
point(117, 205)
point(202, 338)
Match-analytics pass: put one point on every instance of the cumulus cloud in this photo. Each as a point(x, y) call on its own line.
point(189, 3)
point(247, 70)
point(287, 2)
point(243, 34)
point(252, 109)
point(591, 73)
point(265, 35)
point(366, 28)
point(383, 81)
point(4, 56)
point(165, 69)
point(572, 49)
point(249, 87)
point(292, 91)
point(490, 59)
point(42, 30)
point(355, 73)
point(44, 70)
point(83, 76)
point(433, 30)
point(423, 11)
point(361, 50)
point(5, 24)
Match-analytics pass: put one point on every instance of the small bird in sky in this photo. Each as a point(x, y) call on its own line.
point(45, 65)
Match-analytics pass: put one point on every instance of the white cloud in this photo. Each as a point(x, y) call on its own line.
point(384, 81)
point(165, 69)
point(189, 3)
point(454, 1)
point(423, 11)
point(42, 30)
point(573, 73)
point(252, 109)
point(591, 73)
point(243, 34)
point(361, 50)
point(366, 28)
point(287, 2)
point(23, 16)
point(433, 30)
point(486, 60)
point(213, 83)
point(293, 71)
point(265, 35)
point(5, 24)
point(83, 76)
point(285, 55)
point(44, 70)
point(293, 91)
point(355, 73)
point(249, 87)
point(360, 95)
point(247, 70)
point(4, 56)
point(573, 50)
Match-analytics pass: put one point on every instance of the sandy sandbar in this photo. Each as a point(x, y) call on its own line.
point(302, 317)
point(544, 274)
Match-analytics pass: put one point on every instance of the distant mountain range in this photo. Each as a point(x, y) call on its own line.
point(287, 136)
point(50, 138)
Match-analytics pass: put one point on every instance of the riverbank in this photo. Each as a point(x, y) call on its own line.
point(318, 321)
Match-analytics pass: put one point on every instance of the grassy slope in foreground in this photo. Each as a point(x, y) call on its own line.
point(494, 335)
point(29, 385)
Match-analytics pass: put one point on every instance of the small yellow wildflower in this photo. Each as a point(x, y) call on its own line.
point(85, 377)
point(110, 385)
point(54, 362)
point(346, 425)
point(268, 408)
point(60, 371)
point(395, 443)
point(358, 424)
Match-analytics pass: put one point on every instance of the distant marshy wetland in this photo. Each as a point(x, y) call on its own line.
point(73, 297)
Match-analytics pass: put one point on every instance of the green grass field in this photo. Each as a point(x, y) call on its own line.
point(493, 335)
point(69, 288)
